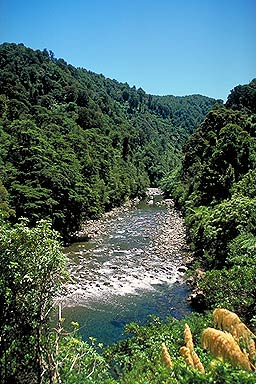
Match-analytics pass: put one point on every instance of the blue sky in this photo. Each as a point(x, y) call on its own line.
point(164, 46)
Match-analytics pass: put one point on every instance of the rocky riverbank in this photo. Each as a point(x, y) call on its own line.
point(92, 229)
point(130, 249)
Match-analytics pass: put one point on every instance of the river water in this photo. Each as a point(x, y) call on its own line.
point(127, 272)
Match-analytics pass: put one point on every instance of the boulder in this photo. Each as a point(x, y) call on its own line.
point(197, 300)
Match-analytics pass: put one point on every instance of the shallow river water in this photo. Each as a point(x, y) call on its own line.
point(128, 272)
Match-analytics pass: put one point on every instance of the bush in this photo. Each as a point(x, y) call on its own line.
point(32, 268)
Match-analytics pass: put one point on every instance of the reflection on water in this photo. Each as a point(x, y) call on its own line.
point(128, 273)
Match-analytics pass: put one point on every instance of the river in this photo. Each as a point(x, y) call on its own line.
point(128, 271)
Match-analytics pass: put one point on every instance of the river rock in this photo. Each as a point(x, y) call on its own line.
point(159, 258)
point(193, 280)
point(197, 300)
point(168, 202)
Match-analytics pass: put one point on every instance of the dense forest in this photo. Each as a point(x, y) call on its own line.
point(215, 187)
point(74, 144)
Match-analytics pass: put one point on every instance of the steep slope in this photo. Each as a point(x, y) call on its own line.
point(74, 143)
point(216, 188)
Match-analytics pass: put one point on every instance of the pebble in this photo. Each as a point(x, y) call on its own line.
point(168, 239)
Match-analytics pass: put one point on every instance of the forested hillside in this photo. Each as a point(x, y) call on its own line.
point(216, 189)
point(74, 143)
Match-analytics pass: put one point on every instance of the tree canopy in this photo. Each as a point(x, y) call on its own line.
point(74, 143)
point(216, 188)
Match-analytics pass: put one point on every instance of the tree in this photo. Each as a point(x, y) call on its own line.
point(5, 209)
point(74, 143)
point(32, 268)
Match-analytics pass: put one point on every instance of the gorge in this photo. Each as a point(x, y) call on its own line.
point(75, 145)
point(131, 268)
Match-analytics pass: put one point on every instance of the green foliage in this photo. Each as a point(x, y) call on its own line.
point(233, 287)
point(217, 156)
point(32, 268)
point(74, 144)
point(243, 97)
point(5, 209)
point(79, 361)
point(216, 187)
point(172, 185)
point(138, 359)
point(212, 228)
point(247, 185)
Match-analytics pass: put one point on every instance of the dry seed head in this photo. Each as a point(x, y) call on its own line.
point(229, 321)
point(224, 319)
point(223, 345)
point(188, 338)
point(185, 352)
point(241, 360)
point(197, 363)
point(217, 317)
point(243, 332)
point(252, 349)
point(166, 356)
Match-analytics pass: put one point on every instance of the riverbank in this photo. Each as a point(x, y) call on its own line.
point(131, 248)
point(93, 228)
